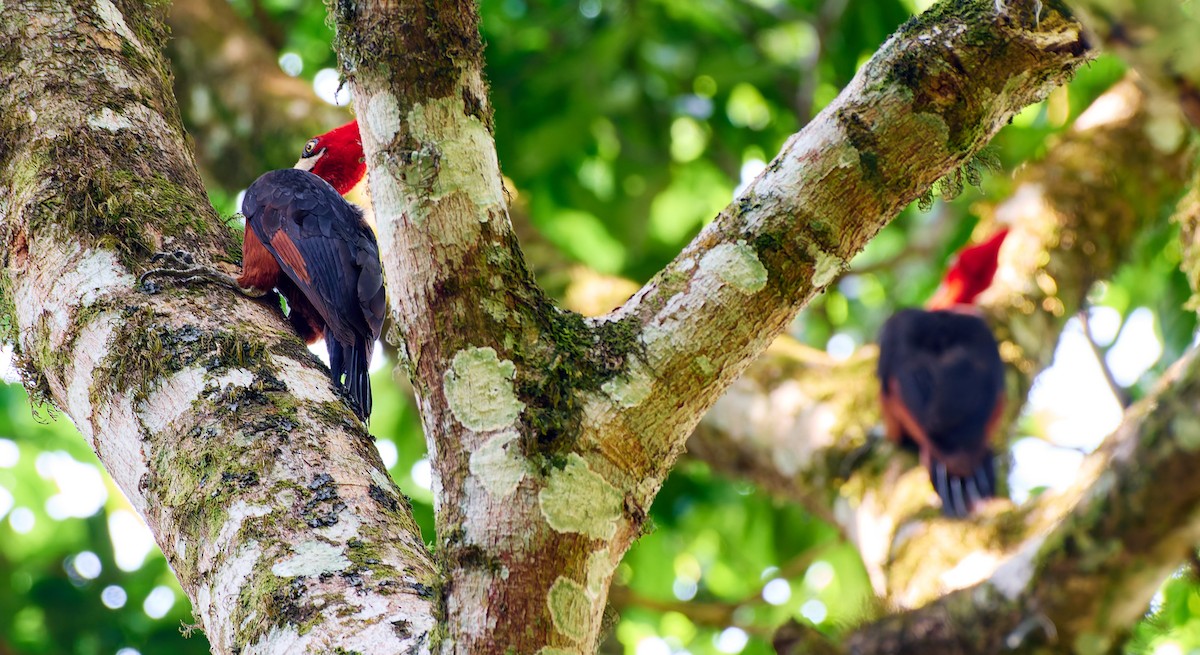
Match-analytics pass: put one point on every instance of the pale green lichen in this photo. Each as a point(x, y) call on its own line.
point(827, 266)
point(109, 120)
point(464, 139)
point(631, 389)
point(550, 650)
point(570, 608)
point(479, 390)
point(1186, 429)
point(705, 366)
point(498, 466)
point(599, 567)
point(312, 558)
point(577, 499)
point(495, 309)
point(736, 264)
point(1090, 643)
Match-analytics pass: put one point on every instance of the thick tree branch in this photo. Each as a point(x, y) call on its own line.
point(262, 489)
point(1079, 585)
point(932, 95)
point(798, 422)
point(565, 427)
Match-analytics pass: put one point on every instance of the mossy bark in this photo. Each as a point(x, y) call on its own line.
point(1080, 582)
point(551, 434)
point(276, 514)
point(1072, 215)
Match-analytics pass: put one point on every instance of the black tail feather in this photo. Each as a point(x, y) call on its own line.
point(960, 494)
point(354, 364)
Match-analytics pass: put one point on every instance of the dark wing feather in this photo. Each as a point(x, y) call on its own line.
point(945, 370)
point(329, 253)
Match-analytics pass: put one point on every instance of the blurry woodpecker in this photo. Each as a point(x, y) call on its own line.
point(306, 241)
point(942, 382)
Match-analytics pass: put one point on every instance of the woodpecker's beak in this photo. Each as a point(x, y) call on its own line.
point(310, 162)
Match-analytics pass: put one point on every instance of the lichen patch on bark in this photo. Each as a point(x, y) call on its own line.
point(109, 120)
point(312, 558)
point(499, 465)
point(577, 499)
point(462, 139)
point(1014, 575)
point(600, 566)
point(479, 390)
point(826, 268)
point(736, 264)
point(570, 608)
point(631, 389)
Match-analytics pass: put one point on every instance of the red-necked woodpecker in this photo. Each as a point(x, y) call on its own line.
point(942, 382)
point(305, 240)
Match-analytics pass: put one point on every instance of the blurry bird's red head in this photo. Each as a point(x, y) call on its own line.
point(970, 274)
point(336, 156)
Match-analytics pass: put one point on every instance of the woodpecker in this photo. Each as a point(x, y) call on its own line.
point(942, 382)
point(306, 241)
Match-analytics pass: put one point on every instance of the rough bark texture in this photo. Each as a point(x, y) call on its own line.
point(267, 496)
point(791, 424)
point(550, 435)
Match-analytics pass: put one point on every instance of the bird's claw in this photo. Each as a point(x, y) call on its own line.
point(181, 265)
point(180, 258)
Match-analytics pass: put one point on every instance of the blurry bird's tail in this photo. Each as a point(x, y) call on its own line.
point(961, 493)
point(353, 362)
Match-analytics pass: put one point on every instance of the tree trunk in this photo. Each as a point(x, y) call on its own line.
point(262, 489)
point(550, 434)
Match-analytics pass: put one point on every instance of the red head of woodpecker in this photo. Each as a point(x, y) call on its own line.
point(336, 157)
point(970, 274)
point(942, 382)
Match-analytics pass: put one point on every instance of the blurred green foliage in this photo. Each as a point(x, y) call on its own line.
point(624, 126)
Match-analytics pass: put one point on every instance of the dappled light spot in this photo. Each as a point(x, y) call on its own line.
point(159, 602)
point(819, 575)
point(113, 597)
point(291, 63)
point(777, 591)
point(387, 452)
point(731, 640)
point(814, 610)
point(10, 454)
point(86, 565)
point(422, 473)
point(6, 501)
point(131, 539)
point(840, 346)
point(653, 646)
point(81, 487)
point(328, 86)
point(684, 589)
point(22, 520)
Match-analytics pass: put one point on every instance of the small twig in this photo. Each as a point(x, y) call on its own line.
point(1101, 353)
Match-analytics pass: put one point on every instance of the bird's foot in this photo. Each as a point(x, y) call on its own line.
point(181, 266)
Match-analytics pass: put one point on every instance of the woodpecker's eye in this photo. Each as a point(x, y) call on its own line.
point(309, 148)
